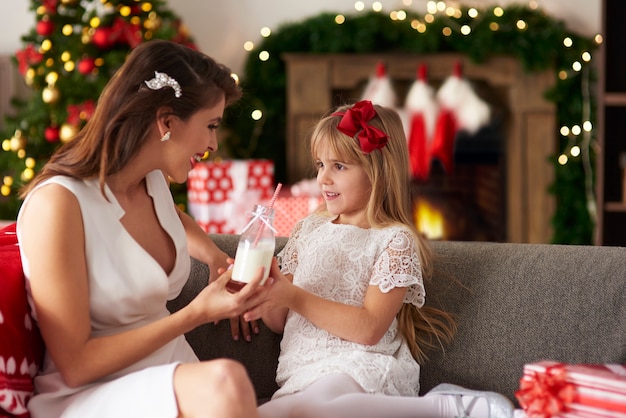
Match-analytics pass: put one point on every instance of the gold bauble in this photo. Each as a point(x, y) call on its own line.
point(67, 132)
point(17, 141)
point(50, 94)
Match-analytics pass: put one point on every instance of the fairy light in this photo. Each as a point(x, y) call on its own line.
point(586, 56)
point(266, 32)
point(378, 6)
point(577, 66)
point(576, 130)
point(564, 131)
point(587, 126)
point(575, 151)
point(256, 114)
point(498, 11)
point(568, 42)
point(264, 55)
point(466, 30)
point(563, 159)
point(431, 7)
point(521, 25)
point(340, 19)
point(359, 6)
point(473, 13)
point(248, 46)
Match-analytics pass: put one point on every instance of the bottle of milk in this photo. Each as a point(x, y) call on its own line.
point(255, 249)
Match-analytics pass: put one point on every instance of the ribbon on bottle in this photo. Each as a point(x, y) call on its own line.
point(260, 213)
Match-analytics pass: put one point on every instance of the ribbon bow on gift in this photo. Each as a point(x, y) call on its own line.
point(544, 395)
point(354, 123)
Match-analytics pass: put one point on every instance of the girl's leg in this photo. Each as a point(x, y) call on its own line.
point(217, 388)
point(339, 396)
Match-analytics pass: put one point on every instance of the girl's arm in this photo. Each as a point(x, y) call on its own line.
point(59, 286)
point(366, 324)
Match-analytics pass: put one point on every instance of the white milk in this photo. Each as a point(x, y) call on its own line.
point(249, 258)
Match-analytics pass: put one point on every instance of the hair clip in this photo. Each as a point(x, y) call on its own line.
point(354, 123)
point(161, 80)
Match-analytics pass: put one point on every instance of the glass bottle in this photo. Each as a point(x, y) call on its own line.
point(255, 248)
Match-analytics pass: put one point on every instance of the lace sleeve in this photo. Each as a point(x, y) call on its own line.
point(399, 266)
point(288, 256)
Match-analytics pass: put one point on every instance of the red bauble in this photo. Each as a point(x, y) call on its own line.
point(52, 134)
point(103, 37)
point(45, 27)
point(86, 65)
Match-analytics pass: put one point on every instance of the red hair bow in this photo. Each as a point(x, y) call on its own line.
point(354, 124)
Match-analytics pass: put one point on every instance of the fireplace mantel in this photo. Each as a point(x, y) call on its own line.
point(530, 127)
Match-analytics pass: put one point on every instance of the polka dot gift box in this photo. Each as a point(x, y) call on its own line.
point(220, 193)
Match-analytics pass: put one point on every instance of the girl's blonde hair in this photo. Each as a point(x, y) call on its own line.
point(390, 203)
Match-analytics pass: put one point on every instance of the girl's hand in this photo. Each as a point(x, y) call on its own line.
point(275, 306)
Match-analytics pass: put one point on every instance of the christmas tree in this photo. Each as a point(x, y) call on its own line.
point(66, 60)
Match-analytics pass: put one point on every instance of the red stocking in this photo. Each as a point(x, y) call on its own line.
point(443, 140)
point(419, 153)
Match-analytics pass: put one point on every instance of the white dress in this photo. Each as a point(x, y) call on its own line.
point(339, 262)
point(128, 289)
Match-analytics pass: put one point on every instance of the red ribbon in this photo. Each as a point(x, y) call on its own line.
point(546, 394)
point(354, 123)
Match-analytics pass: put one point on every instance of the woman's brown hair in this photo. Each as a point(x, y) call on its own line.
point(127, 108)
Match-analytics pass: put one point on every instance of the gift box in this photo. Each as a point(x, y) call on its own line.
point(552, 389)
point(289, 209)
point(220, 193)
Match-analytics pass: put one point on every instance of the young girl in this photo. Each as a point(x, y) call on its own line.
point(104, 247)
point(350, 296)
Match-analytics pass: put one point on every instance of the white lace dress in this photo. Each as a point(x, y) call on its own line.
point(339, 262)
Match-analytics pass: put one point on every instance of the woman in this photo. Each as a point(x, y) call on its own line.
point(104, 247)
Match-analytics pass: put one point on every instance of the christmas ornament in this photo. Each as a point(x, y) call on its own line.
point(52, 134)
point(379, 89)
point(67, 132)
point(18, 141)
point(102, 38)
point(50, 94)
point(421, 108)
point(86, 65)
point(44, 27)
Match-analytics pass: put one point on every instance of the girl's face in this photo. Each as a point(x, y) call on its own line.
point(191, 139)
point(345, 188)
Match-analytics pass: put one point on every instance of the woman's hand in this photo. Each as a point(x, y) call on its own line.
point(238, 325)
point(215, 302)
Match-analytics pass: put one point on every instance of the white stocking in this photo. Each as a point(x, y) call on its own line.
point(339, 396)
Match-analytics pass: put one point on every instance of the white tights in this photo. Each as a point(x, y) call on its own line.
point(339, 396)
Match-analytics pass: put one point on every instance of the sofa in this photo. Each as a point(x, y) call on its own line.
point(514, 303)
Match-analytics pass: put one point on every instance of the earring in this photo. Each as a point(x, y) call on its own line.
point(166, 136)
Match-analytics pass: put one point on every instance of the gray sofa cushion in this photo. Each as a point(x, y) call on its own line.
point(526, 303)
point(515, 304)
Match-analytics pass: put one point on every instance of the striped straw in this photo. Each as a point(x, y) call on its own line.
point(258, 235)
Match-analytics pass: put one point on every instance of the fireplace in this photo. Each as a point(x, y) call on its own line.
point(498, 190)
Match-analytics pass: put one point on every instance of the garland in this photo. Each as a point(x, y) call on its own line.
point(538, 41)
